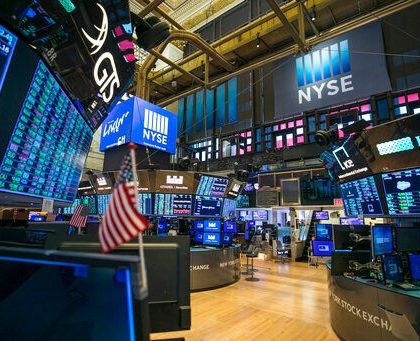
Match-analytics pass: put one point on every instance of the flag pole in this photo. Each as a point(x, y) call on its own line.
point(144, 287)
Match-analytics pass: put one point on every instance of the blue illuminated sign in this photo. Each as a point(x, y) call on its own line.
point(211, 238)
point(136, 120)
point(397, 146)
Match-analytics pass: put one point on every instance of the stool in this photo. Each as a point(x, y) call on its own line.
point(252, 278)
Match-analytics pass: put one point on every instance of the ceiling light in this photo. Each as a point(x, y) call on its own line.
point(313, 16)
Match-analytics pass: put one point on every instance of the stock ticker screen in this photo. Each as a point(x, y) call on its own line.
point(103, 201)
point(212, 186)
point(145, 203)
point(361, 197)
point(173, 204)
point(90, 201)
point(207, 206)
point(44, 140)
point(402, 192)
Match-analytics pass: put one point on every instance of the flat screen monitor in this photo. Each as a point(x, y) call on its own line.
point(259, 215)
point(163, 225)
point(207, 206)
point(361, 197)
point(319, 191)
point(402, 192)
point(198, 225)
point(229, 208)
point(212, 226)
point(103, 202)
point(44, 139)
point(234, 188)
point(89, 201)
point(250, 223)
point(351, 221)
point(227, 239)
point(229, 227)
point(414, 261)
point(173, 204)
point(323, 231)
point(322, 248)
point(290, 191)
point(198, 237)
point(174, 182)
point(322, 215)
point(351, 237)
point(37, 216)
point(211, 239)
point(407, 239)
point(212, 186)
point(145, 203)
point(381, 240)
point(392, 268)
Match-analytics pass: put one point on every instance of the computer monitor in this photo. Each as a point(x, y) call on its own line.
point(229, 227)
point(407, 239)
point(212, 226)
point(250, 223)
point(322, 248)
point(227, 239)
point(392, 269)
point(198, 225)
point(351, 221)
point(321, 215)
point(414, 261)
point(351, 237)
point(198, 236)
point(212, 239)
point(37, 216)
point(323, 231)
point(381, 240)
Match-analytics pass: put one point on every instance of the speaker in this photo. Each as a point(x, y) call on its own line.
point(150, 31)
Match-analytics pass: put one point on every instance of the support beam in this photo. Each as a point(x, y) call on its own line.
point(301, 21)
point(309, 19)
point(175, 66)
point(167, 88)
point(295, 35)
point(165, 16)
point(149, 8)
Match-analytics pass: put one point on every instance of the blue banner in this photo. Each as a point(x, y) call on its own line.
point(339, 70)
point(144, 123)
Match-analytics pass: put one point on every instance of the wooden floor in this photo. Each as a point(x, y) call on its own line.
point(290, 302)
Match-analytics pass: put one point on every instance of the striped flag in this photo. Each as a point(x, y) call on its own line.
point(79, 217)
point(122, 221)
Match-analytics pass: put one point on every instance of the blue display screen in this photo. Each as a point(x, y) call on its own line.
point(381, 240)
point(351, 221)
point(229, 207)
point(207, 206)
point(250, 223)
point(322, 248)
point(402, 192)
point(322, 215)
point(229, 227)
point(103, 201)
point(198, 237)
point(392, 269)
point(45, 140)
point(211, 238)
point(414, 261)
point(212, 226)
point(198, 225)
point(227, 239)
point(323, 231)
point(361, 197)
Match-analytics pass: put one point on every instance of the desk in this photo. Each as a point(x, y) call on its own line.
point(212, 268)
point(361, 310)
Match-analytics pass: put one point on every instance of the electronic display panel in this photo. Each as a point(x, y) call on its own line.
point(174, 182)
point(322, 248)
point(44, 140)
point(229, 207)
point(212, 226)
point(381, 240)
point(319, 191)
point(351, 221)
point(402, 192)
point(344, 161)
point(145, 203)
point(407, 239)
point(103, 201)
point(323, 231)
point(392, 269)
point(259, 215)
point(198, 237)
point(212, 186)
point(361, 197)
point(227, 239)
point(322, 215)
point(229, 227)
point(103, 183)
point(211, 239)
point(234, 188)
point(88, 200)
point(198, 225)
point(414, 261)
point(145, 179)
point(172, 204)
point(207, 206)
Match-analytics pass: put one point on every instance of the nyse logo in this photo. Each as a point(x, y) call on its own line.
point(101, 181)
point(155, 127)
point(211, 237)
point(174, 180)
point(318, 66)
point(212, 225)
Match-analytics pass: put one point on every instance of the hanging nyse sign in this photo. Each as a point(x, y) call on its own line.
point(174, 182)
point(339, 70)
point(136, 120)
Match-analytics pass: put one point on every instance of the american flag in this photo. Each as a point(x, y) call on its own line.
point(122, 221)
point(79, 217)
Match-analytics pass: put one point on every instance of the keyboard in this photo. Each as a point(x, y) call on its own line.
point(406, 286)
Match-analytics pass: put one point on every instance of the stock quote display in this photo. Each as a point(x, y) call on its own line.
point(47, 149)
point(212, 186)
point(402, 192)
point(173, 204)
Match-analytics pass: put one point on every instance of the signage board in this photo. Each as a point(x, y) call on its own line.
point(333, 72)
point(174, 182)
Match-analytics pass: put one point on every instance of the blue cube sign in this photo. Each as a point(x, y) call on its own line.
point(136, 120)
